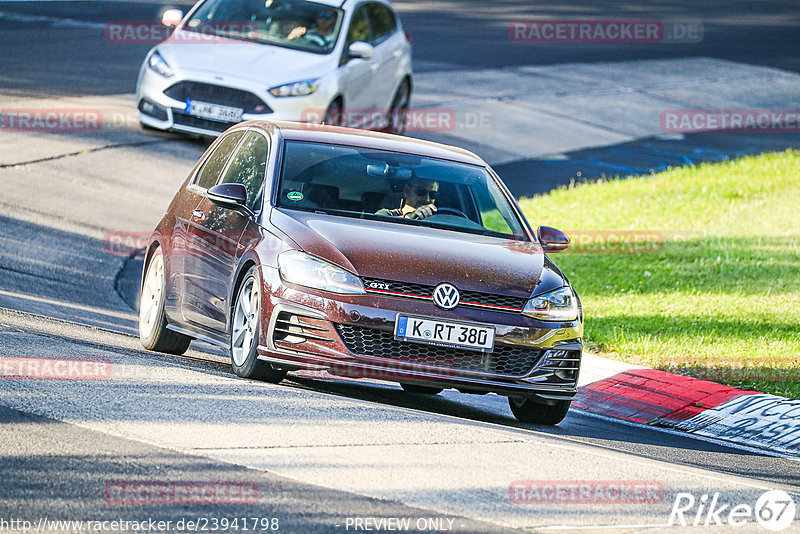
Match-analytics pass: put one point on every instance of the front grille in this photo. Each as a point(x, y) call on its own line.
point(217, 94)
point(472, 299)
point(196, 122)
point(506, 360)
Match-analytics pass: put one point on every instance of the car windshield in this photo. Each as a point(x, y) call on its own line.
point(388, 186)
point(294, 24)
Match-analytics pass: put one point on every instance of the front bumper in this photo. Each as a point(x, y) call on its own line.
point(157, 110)
point(353, 336)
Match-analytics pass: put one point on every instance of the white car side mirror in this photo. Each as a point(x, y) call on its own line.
point(360, 50)
point(172, 17)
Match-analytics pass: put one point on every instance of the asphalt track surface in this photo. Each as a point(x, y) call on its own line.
point(317, 449)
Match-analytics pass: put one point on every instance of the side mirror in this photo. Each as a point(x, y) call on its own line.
point(231, 196)
point(172, 17)
point(552, 239)
point(360, 50)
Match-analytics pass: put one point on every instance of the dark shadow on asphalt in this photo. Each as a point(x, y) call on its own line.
point(529, 177)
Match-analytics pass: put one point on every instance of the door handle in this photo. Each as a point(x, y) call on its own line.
point(198, 214)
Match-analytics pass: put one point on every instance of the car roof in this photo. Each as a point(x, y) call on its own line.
point(332, 3)
point(342, 3)
point(367, 139)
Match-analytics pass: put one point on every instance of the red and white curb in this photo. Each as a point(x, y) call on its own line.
point(692, 405)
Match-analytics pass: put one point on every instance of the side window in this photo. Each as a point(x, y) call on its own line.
point(382, 21)
point(249, 167)
point(359, 28)
point(213, 166)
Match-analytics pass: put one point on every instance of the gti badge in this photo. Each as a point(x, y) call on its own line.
point(446, 296)
point(378, 285)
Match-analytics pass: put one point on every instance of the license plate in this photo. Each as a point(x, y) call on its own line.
point(214, 111)
point(444, 333)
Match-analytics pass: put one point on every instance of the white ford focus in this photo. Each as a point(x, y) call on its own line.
point(233, 60)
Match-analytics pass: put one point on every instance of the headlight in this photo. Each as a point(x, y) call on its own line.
point(301, 88)
point(305, 270)
point(157, 63)
point(558, 305)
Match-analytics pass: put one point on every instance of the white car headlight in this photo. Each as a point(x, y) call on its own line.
point(558, 305)
point(157, 63)
point(299, 268)
point(301, 88)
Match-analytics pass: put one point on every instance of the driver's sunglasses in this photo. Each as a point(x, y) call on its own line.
point(324, 15)
point(430, 193)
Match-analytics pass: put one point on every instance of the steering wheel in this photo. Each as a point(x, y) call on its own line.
point(450, 211)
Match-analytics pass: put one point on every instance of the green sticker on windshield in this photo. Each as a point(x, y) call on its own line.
point(294, 196)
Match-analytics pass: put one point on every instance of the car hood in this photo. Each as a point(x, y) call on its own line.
point(390, 251)
point(267, 64)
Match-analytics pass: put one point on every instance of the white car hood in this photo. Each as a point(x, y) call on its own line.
point(267, 64)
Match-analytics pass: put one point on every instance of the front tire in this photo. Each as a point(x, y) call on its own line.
point(246, 332)
point(152, 318)
point(538, 413)
point(334, 115)
point(398, 113)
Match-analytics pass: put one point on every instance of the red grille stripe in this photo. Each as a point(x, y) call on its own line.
point(398, 294)
point(491, 306)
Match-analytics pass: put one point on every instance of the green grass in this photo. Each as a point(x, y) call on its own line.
point(719, 298)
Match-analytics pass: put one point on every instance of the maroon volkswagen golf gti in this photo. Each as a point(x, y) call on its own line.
point(363, 255)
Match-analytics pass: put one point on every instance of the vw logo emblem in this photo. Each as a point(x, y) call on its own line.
point(446, 296)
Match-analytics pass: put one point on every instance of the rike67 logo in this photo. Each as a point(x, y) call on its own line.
point(774, 510)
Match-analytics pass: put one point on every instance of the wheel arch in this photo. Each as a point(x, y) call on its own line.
point(154, 244)
point(244, 267)
point(337, 97)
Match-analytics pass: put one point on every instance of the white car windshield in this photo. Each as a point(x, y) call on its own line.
point(388, 186)
point(294, 24)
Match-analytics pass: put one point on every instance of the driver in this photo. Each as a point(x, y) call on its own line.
point(419, 196)
point(321, 33)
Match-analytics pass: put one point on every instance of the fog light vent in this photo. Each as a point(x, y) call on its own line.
point(294, 328)
point(152, 109)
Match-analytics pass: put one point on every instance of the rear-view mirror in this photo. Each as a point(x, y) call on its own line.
point(172, 17)
point(552, 239)
point(360, 50)
point(232, 196)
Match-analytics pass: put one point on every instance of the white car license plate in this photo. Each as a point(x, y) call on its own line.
point(444, 333)
point(214, 111)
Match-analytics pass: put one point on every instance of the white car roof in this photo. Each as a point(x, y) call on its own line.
point(332, 3)
point(342, 3)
